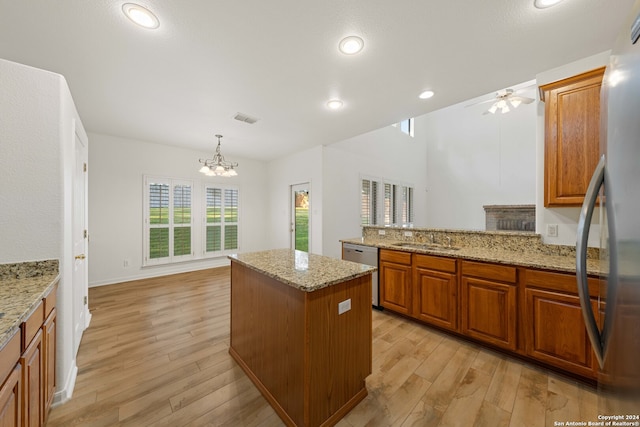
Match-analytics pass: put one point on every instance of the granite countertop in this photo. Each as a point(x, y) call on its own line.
point(22, 287)
point(301, 270)
point(495, 254)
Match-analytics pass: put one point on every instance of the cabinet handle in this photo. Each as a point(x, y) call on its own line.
point(586, 212)
point(81, 256)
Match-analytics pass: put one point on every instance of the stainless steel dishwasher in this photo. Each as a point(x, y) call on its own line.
point(367, 255)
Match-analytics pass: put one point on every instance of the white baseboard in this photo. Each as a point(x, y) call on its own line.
point(64, 394)
point(164, 270)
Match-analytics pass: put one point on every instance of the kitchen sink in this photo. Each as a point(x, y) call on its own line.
point(426, 246)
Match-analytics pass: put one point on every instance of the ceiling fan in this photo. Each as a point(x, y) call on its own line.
point(505, 100)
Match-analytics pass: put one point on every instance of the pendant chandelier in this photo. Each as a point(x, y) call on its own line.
point(218, 166)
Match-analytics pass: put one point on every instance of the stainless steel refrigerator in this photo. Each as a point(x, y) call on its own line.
point(614, 329)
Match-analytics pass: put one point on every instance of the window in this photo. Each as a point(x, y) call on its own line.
point(221, 224)
point(167, 220)
point(405, 126)
point(395, 203)
point(368, 202)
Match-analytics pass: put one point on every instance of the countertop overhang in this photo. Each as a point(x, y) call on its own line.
point(304, 271)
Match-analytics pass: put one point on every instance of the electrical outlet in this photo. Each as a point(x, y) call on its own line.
point(408, 233)
point(126, 262)
point(344, 306)
point(552, 230)
point(381, 232)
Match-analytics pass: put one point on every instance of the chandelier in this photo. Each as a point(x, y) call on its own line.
point(218, 166)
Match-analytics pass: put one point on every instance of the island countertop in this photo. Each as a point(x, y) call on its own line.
point(22, 287)
point(304, 271)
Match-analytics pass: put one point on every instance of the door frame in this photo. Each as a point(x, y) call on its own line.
point(292, 213)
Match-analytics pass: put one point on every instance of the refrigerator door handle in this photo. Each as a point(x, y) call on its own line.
point(581, 260)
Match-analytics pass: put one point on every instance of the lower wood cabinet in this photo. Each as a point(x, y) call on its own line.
point(554, 326)
point(435, 291)
point(11, 383)
point(32, 382)
point(395, 280)
point(532, 313)
point(489, 301)
point(27, 368)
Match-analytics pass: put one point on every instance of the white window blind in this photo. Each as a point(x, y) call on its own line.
point(368, 201)
point(167, 220)
point(221, 219)
point(395, 203)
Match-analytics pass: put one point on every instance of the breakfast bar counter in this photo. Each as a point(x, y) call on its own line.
point(301, 331)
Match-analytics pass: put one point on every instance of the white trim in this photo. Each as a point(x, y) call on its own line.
point(63, 394)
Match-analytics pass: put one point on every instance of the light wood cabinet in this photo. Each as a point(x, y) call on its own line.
point(11, 386)
point(32, 381)
point(435, 291)
point(395, 280)
point(555, 329)
point(572, 136)
point(489, 303)
point(27, 368)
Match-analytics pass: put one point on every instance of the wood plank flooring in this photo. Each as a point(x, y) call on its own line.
point(156, 353)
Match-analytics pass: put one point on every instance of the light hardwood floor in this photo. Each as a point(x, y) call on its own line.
point(156, 353)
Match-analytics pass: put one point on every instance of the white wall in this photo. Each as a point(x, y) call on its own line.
point(386, 153)
point(474, 160)
point(116, 169)
point(566, 218)
point(298, 168)
point(37, 135)
point(30, 161)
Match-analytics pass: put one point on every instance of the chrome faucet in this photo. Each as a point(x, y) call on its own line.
point(448, 241)
point(431, 239)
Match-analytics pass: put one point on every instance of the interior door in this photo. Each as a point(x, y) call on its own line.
point(80, 271)
point(300, 217)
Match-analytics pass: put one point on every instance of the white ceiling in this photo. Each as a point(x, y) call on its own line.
point(278, 61)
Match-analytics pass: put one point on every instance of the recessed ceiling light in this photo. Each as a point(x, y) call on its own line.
point(541, 4)
point(141, 16)
point(426, 94)
point(334, 104)
point(351, 45)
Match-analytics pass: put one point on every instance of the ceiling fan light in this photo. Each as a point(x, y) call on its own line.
point(505, 109)
point(493, 109)
point(515, 103)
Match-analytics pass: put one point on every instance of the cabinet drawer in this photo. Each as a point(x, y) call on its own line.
point(559, 282)
point(32, 325)
point(9, 355)
point(502, 273)
point(50, 301)
point(398, 257)
point(437, 263)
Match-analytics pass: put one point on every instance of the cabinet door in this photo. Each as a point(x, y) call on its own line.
point(489, 311)
point(395, 287)
point(49, 334)
point(11, 399)
point(435, 298)
point(572, 131)
point(32, 381)
point(555, 331)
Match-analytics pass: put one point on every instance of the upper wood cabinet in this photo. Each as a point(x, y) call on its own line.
point(572, 136)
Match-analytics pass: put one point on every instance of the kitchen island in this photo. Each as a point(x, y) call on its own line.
point(301, 330)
